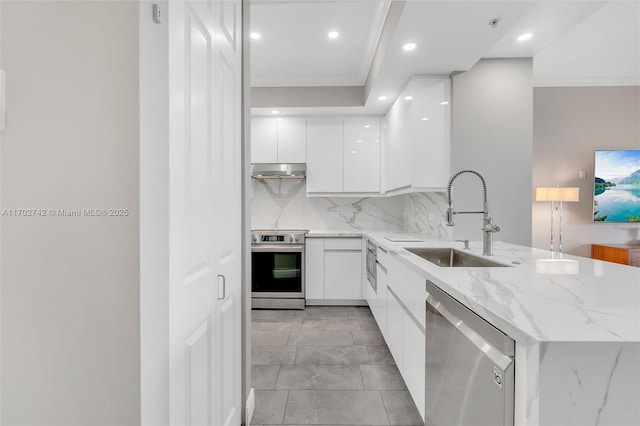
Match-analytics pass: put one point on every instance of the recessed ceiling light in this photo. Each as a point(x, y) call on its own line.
point(353, 152)
point(444, 103)
point(275, 111)
point(255, 36)
point(409, 46)
point(358, 141)
point(366, 126)
point(382, 98)
point(425, 118)
point(525, 37)
point(333, 34)
point(408, 98)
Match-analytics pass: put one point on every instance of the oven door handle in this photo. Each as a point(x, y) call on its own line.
point(276, 248)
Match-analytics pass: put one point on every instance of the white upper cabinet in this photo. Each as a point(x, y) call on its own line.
point(431, 137)
point(343, 155)
point(292, 140)
point(264, 140)
point(362, 154)
point(278, 140)
point(398, 145)
point(418, 138)
point(325, 162)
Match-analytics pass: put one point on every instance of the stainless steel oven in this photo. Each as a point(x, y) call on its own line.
point(277, 269)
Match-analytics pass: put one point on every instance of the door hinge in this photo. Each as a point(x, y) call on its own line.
point(157, 13)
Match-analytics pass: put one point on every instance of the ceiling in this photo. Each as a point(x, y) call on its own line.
point(294, 49)
point(295, 53)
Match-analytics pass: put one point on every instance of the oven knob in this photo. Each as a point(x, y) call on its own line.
point(291, 239)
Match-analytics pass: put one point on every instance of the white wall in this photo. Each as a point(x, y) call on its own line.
point(570, 123)
point(70, 285)
point(491, 133)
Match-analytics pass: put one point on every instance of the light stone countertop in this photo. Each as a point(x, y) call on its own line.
point(315, 233)
point(598, 303)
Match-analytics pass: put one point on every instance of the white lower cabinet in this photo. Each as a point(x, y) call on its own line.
point(378, 299)
point(334, 271)
point(413, 361)
point(399, 309)
point(395, 334)
point(343, 274)
point(314, 268)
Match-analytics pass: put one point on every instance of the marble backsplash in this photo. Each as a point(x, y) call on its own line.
point(283, 203)
point(424, 213)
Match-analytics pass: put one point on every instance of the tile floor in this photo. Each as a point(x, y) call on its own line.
point(325, 365)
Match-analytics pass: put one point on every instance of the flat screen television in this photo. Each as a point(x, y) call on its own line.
point(616, 195)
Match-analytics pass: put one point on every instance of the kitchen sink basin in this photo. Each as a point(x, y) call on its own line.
point(451, 258)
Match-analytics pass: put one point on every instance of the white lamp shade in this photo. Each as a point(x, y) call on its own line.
point(570, 194)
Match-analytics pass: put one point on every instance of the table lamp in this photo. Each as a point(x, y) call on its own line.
point(557, 196)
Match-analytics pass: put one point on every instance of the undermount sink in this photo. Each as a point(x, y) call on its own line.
point(451, 258)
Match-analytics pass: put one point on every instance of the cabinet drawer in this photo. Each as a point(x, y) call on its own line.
point(409, 286)
point(634, 257)
point(343, 243)
point(383, 256)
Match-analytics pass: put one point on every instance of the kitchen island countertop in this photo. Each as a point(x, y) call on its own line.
point(575, 320)
point(541, 297)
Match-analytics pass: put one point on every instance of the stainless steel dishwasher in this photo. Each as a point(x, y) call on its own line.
point(469, 366)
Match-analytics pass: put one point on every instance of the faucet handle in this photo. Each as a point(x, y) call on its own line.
point(490, 227)
point(466, 243)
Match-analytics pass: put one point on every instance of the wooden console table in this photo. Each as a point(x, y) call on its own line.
point(626, 254)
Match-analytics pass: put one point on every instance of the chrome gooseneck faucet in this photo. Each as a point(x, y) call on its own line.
point(488, 228)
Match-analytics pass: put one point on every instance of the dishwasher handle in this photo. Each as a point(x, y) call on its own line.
point(499, 347)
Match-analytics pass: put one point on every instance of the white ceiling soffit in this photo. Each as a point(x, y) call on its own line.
point(450, 36)
point(295, 50)
point(601, 50)
point(547, 21)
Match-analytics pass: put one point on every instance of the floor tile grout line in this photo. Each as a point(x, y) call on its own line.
point(385, 407)
point(284, 413)
point(277, 377)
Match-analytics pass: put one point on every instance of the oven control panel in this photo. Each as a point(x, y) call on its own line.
point(277, 237)
point(272, 238)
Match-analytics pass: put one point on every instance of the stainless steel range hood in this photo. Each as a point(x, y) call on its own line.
point(283, 171)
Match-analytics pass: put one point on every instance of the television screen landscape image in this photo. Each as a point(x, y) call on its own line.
point(617, 186)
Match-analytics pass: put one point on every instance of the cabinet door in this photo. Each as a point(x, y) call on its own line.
point(292, 140)
point(414, 361)
point(314, 268)
point(362, 154)
point(324, 155)
point(343, 274)
point(399, 151)
point(378, 304)
point(431, 138)
point(395, 318)
point(410, 287)
point(264, 140)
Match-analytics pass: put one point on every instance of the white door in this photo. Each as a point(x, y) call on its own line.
point(204, 331)
point(228, 210)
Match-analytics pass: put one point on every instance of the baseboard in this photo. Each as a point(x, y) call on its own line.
point(336, 302)
point(250, 407)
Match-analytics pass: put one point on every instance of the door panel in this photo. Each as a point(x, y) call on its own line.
point(192, 258)
point(228, 212)
point(199, 385)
